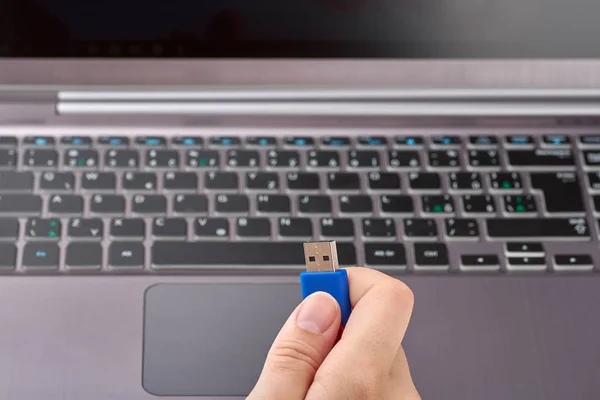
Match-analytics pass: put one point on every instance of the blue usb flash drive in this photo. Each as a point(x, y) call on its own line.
point(322, 275)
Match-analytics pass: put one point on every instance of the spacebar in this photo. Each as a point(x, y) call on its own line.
point(202, 254)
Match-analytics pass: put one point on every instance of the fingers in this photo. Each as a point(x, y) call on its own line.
point(299, 349)
point(402, 385)
point(361, 362)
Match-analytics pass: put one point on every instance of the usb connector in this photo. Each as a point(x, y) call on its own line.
point(321, 256)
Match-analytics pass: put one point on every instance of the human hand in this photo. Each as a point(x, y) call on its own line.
point(307, 361)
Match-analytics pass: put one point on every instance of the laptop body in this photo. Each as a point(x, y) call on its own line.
point(106, 311)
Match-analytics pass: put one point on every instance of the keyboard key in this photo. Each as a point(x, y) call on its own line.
point(573, 262)
point(40, 158)
point(253, 227)
point(180, 181)
point(415, 227)
point(221, 180)
point(478, 204)
point(57, 181)
point(9, 141)
point(593, 140)
point(323, 159)
point(16, 181)
point(480, 261)
point(202, 159)
point(461, 228)
point(128, 228)
point(243, 159)
point(76, 140)
point(363, 159)
point(444, 158)
point(8, 158)
point(283, 159)
point(88, 228)
point(483, 140)
point(403, 159)
point(295, 227)
point(314, 204)
point(149, 204)
point(199, 254)
point(437, 204)
point(261, 141)
point(378, 227)
point(84, 255)
point(484, 158)
point(232, 203)
point(356, 204)
point(225, 141)
point(461, 181)
point(538, 228)
point(139, 181)
point(596, 202)
point(335, 141)
point(397, 204)
point(120, 158)
point(273, 203)
point(126, 255)
point(65, 204)
point(506, 181)
point(262, 181)
point(22, 204)
point(519, 204)
point(541, 158)
point(372, 141)
point(190, 204)
point(537, 263)
point(162, 158)
point(561, 190)
point(9, 228)
point(8, 256)
point(409, 141)
point(157, 141)
point(78, 158)
point(169, 228)
point(519, 140)
point(98, 181)
point(298, 141)
point(431, 255)
point(556, 140)
point(41, 255)
point(343, 181)
point(384, 181)
point(385, 254)
point(302, 181)
point(187, 141)
point(525, 248)
point(424, 181)
point(446, 140)
point(211, 228)
point(39, 141)
point(107, 204)
point(337, 227)
point(113, 141)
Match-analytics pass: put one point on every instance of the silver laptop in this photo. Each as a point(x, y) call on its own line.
point(161, 164)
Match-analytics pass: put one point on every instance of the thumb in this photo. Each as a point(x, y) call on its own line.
point(299, 349)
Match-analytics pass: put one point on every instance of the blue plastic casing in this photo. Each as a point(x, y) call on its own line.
point(335, 283)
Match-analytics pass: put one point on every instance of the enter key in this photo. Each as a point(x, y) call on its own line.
point(562, 192)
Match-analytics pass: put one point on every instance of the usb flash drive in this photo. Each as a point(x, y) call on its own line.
point(323, 275)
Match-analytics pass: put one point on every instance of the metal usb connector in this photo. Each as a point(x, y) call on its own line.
point(321, 256)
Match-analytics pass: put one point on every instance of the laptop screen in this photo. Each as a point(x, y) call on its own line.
point(300, 28)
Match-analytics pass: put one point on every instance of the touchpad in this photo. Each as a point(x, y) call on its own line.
point(211, 339)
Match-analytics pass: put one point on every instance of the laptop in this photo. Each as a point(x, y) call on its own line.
point(162, 163)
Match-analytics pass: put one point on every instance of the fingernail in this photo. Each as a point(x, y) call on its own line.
point(317, 313)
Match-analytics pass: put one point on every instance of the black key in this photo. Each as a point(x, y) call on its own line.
point(81, 158)
point(40, 158)
point(295, 227)
point(384, 181)
point(356, 204)
point(465, 181)
point(9, 228)
point(121, 158)
point(225, 141)
point(232, 203)
point(480, 260)
point(520, 247)
point(483, 140)
point(298, 141)
point(84, 255)
point(65, 204)
point(128, 227)
point(343, 181)
point(593, 140)
point(363, 159)
point(431, 255)
point(90, 228)
point(20, 204)
point(478, 204)
point(107, 204)
point(541, 158)
point(43, 228)
point(221, 180)
point(415, 227)
point(162, 158)
point(180, 181)
point(139, 181)
point(98, 181)
point(591, 158)
point(519, 140)
point(202, 159)
point(446, 140)
point(57, 181)
point(337, 227)
point(424, 181)
point(283, 159)
point(506, 181)
point(11, 181)
point(253, 227)
point(556, 140)
point(262, 181)
point(444, 158)
point(169, 227)
point(518, 204)
point(596, 200)
point(187, 141)
point(76, 140)
point(211, 228)
point(8, 256)
point(262, 141)
point(437, 204)
point(385, 254)
point(379, 227)
point(302, 181)
point(372, 141)
point(149, 204)
point(594, 180)
point(113, 141)
point(273, 203)
point(126, 255)
point(39, 141)
point(335, 141)
point(484, 158)
point(397, 204)
point(409, 141)
point(8, 158)
point(562, 193)
point(199, 254)
point(190, 203)
point(41, 255)
point(403, 159)
point(573, 260)
point(314, 204)
point(526, 261)
point(8, 141)
point(542, 228)
point(461, 228)
point(323, 159)
point(155, 141)
point(243, 159)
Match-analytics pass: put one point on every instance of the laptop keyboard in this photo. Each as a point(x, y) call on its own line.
point(165, 204)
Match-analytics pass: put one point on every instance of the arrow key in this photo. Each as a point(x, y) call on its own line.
point(479, 261)
point(86, 228)
point(126, 255)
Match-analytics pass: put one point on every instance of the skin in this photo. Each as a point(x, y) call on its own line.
point(312, 358)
